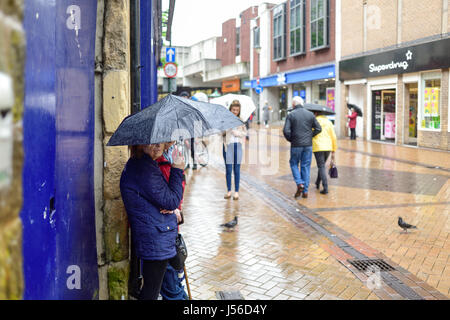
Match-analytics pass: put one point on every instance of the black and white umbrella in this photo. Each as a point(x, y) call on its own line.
point(172, 119)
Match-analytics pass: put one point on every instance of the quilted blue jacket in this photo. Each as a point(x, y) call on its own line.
point(144, 192)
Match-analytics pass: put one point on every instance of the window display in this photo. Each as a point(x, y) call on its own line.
point(431, 102)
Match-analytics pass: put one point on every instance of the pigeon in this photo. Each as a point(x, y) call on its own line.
point(231, 224)
point(405, 226)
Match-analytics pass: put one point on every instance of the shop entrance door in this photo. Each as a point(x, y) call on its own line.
point(410, 115)
point(383, 115)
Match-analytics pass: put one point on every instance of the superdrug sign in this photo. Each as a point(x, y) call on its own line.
point(427, 56)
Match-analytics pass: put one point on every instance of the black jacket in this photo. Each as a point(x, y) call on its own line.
point(300, 127)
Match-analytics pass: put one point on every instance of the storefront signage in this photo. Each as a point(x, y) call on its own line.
point(231, 86)
point(281, 79)
point(427, 56)
point(330, 98)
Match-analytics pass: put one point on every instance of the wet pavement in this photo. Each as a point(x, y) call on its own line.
point(301, 249)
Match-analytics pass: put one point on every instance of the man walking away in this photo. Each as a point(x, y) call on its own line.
point(266, 113)
point(299, 129)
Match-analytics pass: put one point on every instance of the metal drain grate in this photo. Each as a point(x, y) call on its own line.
point(364, 264)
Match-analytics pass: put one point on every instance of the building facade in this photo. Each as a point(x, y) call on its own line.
point(395, 66)
point(294, 54)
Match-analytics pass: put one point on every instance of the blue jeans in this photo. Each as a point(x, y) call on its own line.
point(172, 287)
point(233, 158)
point(302, 155)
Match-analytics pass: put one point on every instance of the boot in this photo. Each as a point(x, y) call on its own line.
point(300, 189)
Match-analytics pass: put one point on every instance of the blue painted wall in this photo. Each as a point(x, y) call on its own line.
point(149, 81)
point(58, 215)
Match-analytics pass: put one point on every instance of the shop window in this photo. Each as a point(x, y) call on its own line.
point(319, 24)
point(297, 27)
point(431, 103)
point(279, 37)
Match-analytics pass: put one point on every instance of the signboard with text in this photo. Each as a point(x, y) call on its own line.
point(426, 56)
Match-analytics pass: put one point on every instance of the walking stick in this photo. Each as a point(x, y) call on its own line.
point(187, 283)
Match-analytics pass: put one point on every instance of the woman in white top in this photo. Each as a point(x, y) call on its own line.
point(232, 152)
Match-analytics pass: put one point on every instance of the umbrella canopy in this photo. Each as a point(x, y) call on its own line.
point(318, 108)
point(200, 96)
point(357, 109)
point(173, 118)
point(247, 104)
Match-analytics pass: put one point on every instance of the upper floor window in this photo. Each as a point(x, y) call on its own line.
point(279, 33)
point(297, 26)
point(319, 24)
point(256, 41)
point(238, 41)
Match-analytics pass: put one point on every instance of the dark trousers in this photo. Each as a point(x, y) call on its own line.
point(321, 159)
point(153, 273)
point(353, 133)
point(193, 150)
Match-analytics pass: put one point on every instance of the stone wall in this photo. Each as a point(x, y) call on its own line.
point(113, 82)
point(12, 53)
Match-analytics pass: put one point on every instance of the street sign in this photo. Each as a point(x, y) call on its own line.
point(170, 54)
point(169, 85)
point(258, 89)
point(170, 70)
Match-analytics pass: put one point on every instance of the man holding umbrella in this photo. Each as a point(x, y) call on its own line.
point(299, 129)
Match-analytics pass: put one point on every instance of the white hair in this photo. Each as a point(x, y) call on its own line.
point(297, 100)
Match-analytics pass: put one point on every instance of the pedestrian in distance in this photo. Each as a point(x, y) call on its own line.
point(352, 123)
point(324, 143)
point(186, 95)
point(299, 129)
point(266, 113)
point(146, 194)
point(232, 152)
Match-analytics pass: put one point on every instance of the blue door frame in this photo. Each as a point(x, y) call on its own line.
point(58, 213)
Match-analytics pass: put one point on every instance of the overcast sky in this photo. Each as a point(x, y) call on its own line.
point(197, 20)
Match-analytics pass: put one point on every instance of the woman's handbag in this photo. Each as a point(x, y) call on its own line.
point(333, 172)
point(177, 262)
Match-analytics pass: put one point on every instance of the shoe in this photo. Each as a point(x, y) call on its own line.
point(187, 167)
point(227, 196)
point(194, 167)
point(235, 198)
point(300, 189)
point(324, 191)
point(305, 195)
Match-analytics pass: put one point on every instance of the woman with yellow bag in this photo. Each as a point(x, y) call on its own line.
point(324, 143)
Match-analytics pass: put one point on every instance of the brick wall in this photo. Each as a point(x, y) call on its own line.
point(352, 19)
point(115, 99)
point(421, 19)
point(226, 49)
point(381, 23)
point(12, 59)
point(256, 56)
point(311, 57)
point(246, 16)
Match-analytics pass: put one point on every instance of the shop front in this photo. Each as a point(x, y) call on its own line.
point(314, 85)
point(403, 94)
